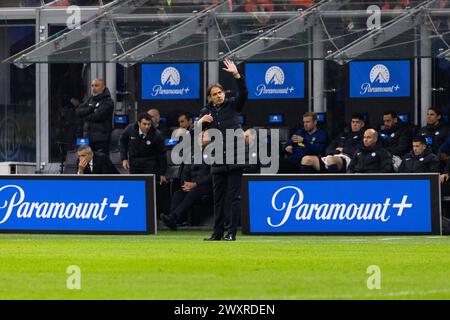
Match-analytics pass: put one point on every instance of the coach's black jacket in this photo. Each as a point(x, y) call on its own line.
point(226, 116)
point(142, 152)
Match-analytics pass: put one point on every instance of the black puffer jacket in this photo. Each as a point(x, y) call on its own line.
point(423, 163)
point(435, 135)
point(348, 140)
point(371, 160)
point(397, 140)
point(97, 113)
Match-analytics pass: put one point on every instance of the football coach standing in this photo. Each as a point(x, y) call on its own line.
point(222, 114)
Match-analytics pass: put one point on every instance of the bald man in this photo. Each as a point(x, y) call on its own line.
point(371, 157)
point(156, 118)
point(97, 113)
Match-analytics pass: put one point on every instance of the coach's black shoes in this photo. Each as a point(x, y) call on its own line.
point(230, 236)
point(214, 237)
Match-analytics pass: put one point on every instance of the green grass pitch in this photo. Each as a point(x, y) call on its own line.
point(179, 265)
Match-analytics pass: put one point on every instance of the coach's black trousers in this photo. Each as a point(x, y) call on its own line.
point(227, 182)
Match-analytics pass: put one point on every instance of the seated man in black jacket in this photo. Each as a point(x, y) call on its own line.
point(340, 150)
point(195, 181)
point(436, 131)
point(420, 159)
point(371, 157)
point(90, 162)
point(395, 135)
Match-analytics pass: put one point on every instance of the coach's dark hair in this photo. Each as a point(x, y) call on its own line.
point(214, 85)
point(144, 115)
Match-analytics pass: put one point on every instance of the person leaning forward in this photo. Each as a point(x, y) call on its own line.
point(142, 149)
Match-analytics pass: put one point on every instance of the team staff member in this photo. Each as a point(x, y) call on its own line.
point(420, 159)
point(395, 135)
point(221, 113)
point(371, 157)
point(307, 141)
point(90, 162)
point(339, 151)
point(142, 148)
point(97, 113)
point(142, 152)
point(436, 131)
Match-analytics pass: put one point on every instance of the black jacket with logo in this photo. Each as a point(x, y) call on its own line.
point(437, 134)
point(397, 140)
point(423, 163)
point(348, 140)
point(143, 151)
point(371, 160)
point(97, 113)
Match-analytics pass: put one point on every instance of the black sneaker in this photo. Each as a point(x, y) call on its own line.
point(169, 222)
point(230, 237)
point(214, 237)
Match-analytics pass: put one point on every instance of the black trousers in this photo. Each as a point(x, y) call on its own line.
point(162, 191)
point(182, 201)
point(289, 165)
point(227, 182)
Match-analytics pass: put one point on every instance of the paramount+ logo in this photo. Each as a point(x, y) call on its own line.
point(290, 202)
point(14, 204)
point(380, 78)
point(170, 84)
point(274, 80)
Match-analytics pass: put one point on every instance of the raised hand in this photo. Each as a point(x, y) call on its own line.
point(230, 67)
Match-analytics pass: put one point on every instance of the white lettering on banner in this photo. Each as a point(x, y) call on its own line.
point(367, 88)
point(55, 210)
point(333, 211)
point(158, 90)
point(262, 89)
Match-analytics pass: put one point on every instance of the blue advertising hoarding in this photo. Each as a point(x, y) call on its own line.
point(275, 80)
point(380, 79)
point(170, 81)
point(341, 204)
point(77, 204)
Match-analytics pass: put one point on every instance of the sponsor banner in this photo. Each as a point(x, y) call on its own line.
point(275, 80)
point(170, 81)
point(379, 79)
point(371, 204)
point(78, 204)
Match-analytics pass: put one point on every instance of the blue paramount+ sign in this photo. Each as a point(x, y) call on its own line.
point(75, 205)
point(338, 206)
point(275, 80)
point(379, 79)
point(170, 81)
